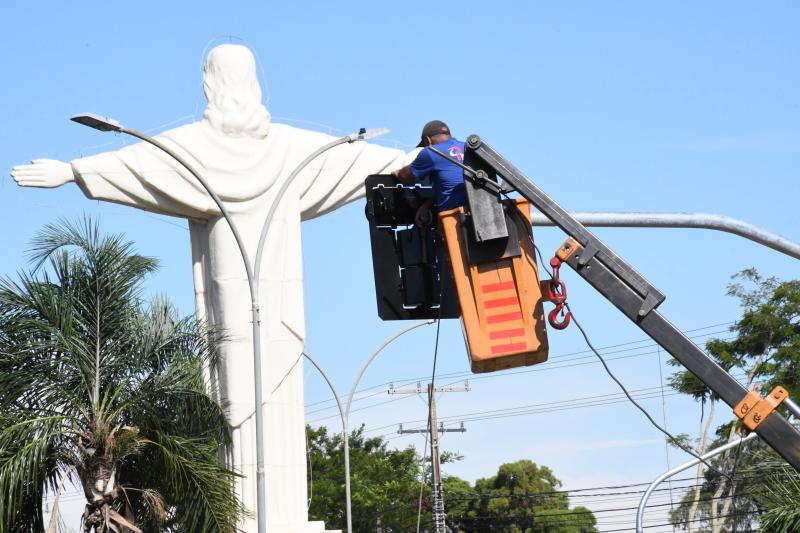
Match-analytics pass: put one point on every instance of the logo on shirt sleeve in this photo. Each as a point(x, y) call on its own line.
point(456, 153)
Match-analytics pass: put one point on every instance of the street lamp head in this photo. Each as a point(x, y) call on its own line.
point(365, 134)
point(97, 122)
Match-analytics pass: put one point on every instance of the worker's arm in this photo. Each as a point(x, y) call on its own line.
point(421, 166)
point(404, 174)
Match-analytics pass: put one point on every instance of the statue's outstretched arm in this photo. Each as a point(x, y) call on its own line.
point(45, 173)
point(137, 175)
point(339, 176)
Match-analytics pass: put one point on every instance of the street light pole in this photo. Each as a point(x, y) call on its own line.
point(106, 124)
point(102, 123)
point(344, 414)
point(350, 403)
point(680, 220)
point(362, 135)
point(666, 475)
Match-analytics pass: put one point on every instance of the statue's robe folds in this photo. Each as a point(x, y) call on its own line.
point(247, 173)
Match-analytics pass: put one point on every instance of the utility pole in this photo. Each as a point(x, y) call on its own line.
point(434, 429)
point(438, 496)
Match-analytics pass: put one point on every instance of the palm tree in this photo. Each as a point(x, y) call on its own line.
point(101, 390)
point(777, 492)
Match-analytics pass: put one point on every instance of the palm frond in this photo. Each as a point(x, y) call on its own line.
point(195, 482)
point(779, 496)
point(28, 461)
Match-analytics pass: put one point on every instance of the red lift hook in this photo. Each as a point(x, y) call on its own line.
point(557, 294)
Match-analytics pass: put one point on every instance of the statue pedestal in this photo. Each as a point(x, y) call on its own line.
point(251, 526)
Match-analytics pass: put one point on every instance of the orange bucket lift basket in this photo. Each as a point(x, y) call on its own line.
point(501, 300)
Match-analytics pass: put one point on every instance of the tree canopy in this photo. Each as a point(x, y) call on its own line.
point(523, 498)
point(104, 390)
point(384, 482)
point(391, 487)
point(764, 350)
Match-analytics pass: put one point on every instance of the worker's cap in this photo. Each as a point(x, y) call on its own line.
point(431, 129)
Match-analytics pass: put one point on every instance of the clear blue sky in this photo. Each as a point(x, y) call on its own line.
point(609, 106)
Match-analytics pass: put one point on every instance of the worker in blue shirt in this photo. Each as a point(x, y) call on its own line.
point(447, 177)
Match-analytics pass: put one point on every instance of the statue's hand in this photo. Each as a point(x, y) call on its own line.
point(45, 173)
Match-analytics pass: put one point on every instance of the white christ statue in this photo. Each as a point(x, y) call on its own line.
point(245, 159)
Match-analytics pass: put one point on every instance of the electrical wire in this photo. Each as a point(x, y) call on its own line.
point(616, 509)
point(529, 409)
point(431, 400)
point(541, 368)
point(664, 420)
point(538, 368)
point(608, 520)
point(622, 387)
point(438, 244)
point(636, 404)
point(733, 484)
point(436, 349)
point(547, 522)
point(748, 513)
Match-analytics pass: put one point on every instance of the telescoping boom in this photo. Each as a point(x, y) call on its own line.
point(486, 242)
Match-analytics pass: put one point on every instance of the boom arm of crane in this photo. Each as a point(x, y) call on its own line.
point(623, 286)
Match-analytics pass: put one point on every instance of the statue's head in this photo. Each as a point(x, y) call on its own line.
point(233, 93)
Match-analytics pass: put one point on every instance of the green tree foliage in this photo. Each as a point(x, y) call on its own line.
point(103, 390)
point(385, 483)
point(387, 492)
point(777, 492)
point(523, 498)
point(765, 348)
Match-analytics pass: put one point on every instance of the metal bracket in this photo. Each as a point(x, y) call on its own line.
point(441, 429)
point(651, 301)
point(753, 409)
point(569, 247)
point(486, 210)
point(589, 251)
point(420, 389)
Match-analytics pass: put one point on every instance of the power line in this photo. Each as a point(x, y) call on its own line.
point(664, 421)
point(547, 522)
point(553, 406)
point(617, 509)
point(636, 404)
point(529, 409)
point(539, 368)
point(668, 524)
point(550, 360)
